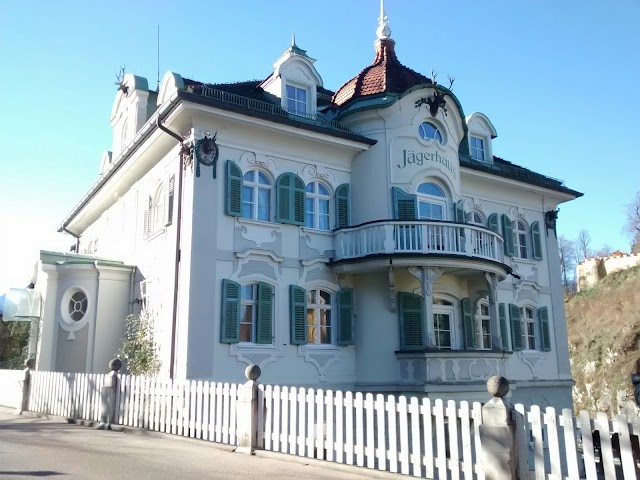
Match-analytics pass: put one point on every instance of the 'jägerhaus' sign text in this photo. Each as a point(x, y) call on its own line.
point(410, 157)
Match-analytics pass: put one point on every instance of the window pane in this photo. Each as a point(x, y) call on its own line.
point(310, 188)
point(429, 188)
point(322, 190)
point(437, 212)
point(325, 318)
point(291, 105)
point(311, 296)
point(264, 198)
point(438, 136)
point(325, 298)
point(291, 91)
point(323, 207)
point(325, 335)
point(263, 179)
point(248, 177)
point(323, 222)
point(247, 292)
point(301, 95)
point(310, 215)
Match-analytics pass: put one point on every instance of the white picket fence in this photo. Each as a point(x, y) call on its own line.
point(417, 437)
point(420, 438)
point(203, 410)
point(559, 445)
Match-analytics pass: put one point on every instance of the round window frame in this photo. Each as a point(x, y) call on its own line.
point(429, 140)
point(64, 307)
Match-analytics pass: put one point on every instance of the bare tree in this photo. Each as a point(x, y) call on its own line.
point(605, 251)
point(567, 252)
point(583, 242)
point(632, 226)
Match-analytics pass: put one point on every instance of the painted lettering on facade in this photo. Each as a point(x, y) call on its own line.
point(410, 157)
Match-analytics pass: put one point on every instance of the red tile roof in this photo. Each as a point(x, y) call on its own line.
point(385, 74)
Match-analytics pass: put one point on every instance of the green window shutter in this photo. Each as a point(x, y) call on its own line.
point(345, 317)
point(343, 206)
point(468, 325)
point(299, 197)
point(405, 205)
point(170, 192)
point(264, 326)
point(536, 241)
point(230, 317)
point(504, 333)
point(411, 321)
point(460, 215)
point(543, 316)
point(507, 235)
point(290, 199)
point(298, 315)
point(492, 223)
point(516, 327)
point(233, 205)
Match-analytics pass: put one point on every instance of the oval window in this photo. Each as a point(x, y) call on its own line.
point(77, 306)
point(428, 131)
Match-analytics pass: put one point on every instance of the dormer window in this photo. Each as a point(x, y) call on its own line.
point(296, 100)
point(478, 149)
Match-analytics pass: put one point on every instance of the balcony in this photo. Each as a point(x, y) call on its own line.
point(418, 238)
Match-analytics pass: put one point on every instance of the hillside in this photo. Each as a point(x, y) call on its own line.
point(603, 324)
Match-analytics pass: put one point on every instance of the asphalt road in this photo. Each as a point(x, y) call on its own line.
point(35, 447)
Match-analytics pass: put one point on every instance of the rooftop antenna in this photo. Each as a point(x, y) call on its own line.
point(158, 59)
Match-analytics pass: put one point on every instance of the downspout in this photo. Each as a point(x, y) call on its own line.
point(185, 148)
point(77, 237)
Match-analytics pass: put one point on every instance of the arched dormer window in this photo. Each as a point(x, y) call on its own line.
point(432, 202)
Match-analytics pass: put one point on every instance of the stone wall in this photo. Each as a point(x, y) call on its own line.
point(592, 270)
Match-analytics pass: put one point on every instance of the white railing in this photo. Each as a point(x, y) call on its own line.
point(559, 445)
point(420, 237)
point(204, 410)
point(423, 438)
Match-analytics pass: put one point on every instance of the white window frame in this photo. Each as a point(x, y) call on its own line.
point(307, 105)
point(424, 198)
point(520, 239)
point(454, 323)
point(526, 322)
point(316, 308)
point(255, 187)
point(479, 319)
point(427, 139)
point(245, 302)
point(159, 209)
point(480, 222)
point(316, 198)
point(483, 149)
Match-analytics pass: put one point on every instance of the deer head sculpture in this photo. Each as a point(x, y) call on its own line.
point(120, 81)
point(436, 101)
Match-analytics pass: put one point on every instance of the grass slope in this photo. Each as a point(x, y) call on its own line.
point(603, 325)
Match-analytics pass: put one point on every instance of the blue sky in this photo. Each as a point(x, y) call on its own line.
point(557, 79)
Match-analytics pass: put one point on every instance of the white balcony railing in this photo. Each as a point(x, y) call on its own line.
point(420, 237)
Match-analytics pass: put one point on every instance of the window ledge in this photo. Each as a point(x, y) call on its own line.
point(254, 346)
point(430, 353)
point(532, 353)
point(321, 347)
point(317, 231)
point(260, 223)
point(156, 234)
point(529, 261)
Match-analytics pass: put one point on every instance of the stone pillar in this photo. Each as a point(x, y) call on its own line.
point(498, 433)
point(26, 386)
point(496, 333)
point(247, 412)
point(109, 396)
point(427, 278)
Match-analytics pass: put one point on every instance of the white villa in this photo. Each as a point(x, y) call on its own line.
point(365, 238)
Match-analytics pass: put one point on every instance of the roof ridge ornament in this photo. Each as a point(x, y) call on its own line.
point(384, 30)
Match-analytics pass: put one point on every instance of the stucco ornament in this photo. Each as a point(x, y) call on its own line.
point(207, 153)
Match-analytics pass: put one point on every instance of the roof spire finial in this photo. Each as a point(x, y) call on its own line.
point(293, 39)
point(383, 31)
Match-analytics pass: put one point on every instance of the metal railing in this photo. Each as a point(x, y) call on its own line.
point(271, 109)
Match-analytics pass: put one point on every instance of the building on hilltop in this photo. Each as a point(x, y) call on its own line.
point(365, 239)
point(591, 270)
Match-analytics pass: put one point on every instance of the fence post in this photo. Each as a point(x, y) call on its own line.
point(108, 396)
point(29, 364)
point(498, 433)
point(247, 412)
